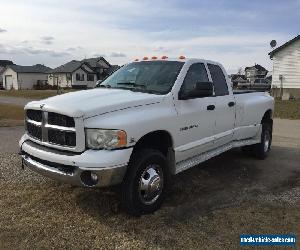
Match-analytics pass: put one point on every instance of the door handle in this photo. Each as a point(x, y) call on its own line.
point(211, 107)
point(231, 104)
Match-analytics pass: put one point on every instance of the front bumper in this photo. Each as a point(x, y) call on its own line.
point(108, 165)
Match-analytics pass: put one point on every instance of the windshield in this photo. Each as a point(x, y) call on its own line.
point(155, 77)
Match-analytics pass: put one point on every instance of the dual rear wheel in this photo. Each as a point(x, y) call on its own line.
point(262, 149)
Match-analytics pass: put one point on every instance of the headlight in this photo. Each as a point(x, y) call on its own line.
point(105, 139)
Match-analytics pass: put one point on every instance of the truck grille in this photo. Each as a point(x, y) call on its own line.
point(51, 127)
point(34, 131)
point(64, 138)
point(60, 120)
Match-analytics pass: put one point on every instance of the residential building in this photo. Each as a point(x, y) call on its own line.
point(112, 69)
point(100, 66)
point(74, 74)
point(24, 77)
point(255, 72)
point(79, 74)
point(3, 64)
point(238, 79)
point(286, 68)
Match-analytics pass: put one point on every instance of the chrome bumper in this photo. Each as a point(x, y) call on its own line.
point(106, 176)
point(107, 166)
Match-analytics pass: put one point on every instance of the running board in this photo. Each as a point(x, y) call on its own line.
point(191, 162)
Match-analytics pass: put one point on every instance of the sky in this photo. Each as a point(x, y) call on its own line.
point(236, 33)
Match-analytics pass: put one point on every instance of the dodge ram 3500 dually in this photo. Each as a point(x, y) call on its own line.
point(147, 122)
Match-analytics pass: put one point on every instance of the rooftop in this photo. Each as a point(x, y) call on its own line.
point(93, 62)
point(71, 66)
point(284, 45)
point(257, 66)
point(68, 67)
point(38, 68)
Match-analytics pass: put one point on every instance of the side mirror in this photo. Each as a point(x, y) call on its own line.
point(201, 89)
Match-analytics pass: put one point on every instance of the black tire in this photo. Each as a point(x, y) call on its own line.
point(136, 201)
point(262, 149)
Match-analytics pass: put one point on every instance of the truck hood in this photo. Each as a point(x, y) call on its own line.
point(87, 103)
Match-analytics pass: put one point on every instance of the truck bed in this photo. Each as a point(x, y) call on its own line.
point(241, 91)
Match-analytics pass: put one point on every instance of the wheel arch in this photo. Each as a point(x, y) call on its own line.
point(268, 117)
point(161, 140)
point(158, 139)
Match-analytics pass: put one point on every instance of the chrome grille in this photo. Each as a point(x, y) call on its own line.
point(35, 115)
point(65, 138)
point(60, 120)
point(51, 127)
point(34, 130)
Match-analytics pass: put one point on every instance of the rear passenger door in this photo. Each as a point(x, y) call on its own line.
point(225, 107)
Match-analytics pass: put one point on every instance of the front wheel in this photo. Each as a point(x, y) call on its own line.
point(144, 186)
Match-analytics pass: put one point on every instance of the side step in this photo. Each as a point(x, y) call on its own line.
point(193, 161)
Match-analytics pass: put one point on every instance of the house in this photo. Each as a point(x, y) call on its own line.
point(3, 64)
point(255, 72)
point(238, 79)
point(286, 69)
point(79, 74)
point(74, 74)
point(24, 77)
point(100, 66)
point(112, 69)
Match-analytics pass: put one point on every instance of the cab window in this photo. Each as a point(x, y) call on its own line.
point(219, 81)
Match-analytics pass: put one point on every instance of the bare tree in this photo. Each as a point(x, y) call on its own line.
point(241, 71)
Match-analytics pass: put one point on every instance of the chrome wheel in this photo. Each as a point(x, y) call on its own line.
point(267, 141)
point(151, 184)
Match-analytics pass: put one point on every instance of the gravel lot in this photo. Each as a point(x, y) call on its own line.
point(208, 207)
point(9, 139)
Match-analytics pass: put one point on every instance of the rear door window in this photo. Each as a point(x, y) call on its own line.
point(218, 79)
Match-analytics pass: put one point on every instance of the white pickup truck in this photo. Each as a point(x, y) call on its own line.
point(147, 122)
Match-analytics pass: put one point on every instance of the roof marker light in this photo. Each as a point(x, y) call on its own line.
point(136, 60)
point(145, 58)
point(182, 57)
point(154, 57)
point(164, 57)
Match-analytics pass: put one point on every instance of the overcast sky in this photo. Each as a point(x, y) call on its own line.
point(236, 33)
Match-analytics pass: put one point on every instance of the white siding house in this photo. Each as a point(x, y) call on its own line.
point(24, 77)
point(84, 76)
point(10, 79)
point(3, 65)
point(74, 74)
point(79, 74)
point(286, 68)
point(63, 80)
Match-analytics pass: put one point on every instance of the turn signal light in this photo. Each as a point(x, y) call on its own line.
point(122, 137)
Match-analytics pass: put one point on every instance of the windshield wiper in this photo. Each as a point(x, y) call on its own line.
point(143, 87)
point(103, 86)
point(132, 84)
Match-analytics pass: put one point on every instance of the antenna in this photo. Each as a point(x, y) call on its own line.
point(273, 43)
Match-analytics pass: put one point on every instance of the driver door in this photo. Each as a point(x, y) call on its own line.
point(196, 117)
